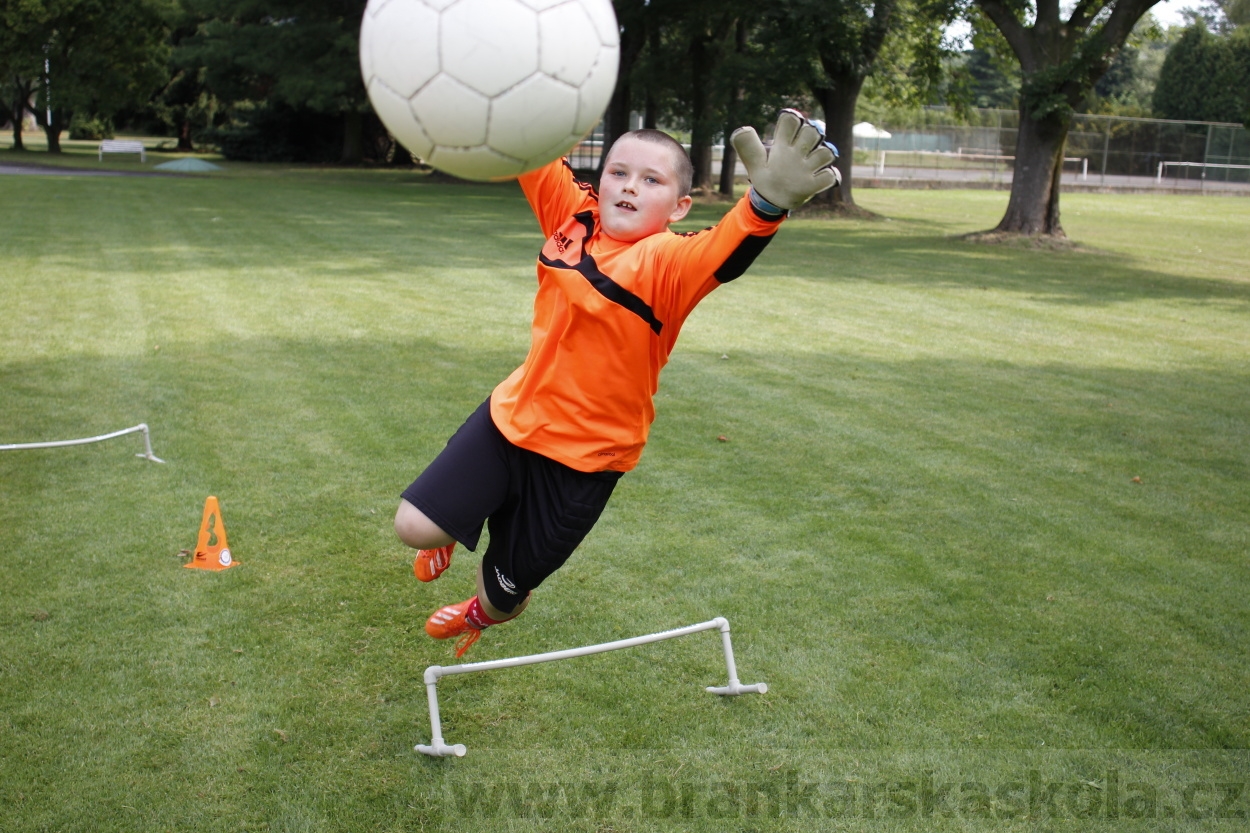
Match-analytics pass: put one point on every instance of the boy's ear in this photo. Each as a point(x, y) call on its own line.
point(682, 209)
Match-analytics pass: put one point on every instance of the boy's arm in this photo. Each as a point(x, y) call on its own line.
point(555, 194)
point(705, 259)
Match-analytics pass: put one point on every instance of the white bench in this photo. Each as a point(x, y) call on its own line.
point(122, 146)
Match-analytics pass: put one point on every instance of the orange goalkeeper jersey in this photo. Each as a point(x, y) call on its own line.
point(606, 317)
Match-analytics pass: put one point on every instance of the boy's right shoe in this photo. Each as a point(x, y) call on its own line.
point(450, 621)
point(430, 564)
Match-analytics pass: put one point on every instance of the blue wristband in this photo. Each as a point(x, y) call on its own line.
point(765, 207)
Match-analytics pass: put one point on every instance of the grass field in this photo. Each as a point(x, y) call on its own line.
point(981, 522)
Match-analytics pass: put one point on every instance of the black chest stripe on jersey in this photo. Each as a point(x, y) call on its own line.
point(609, 289)
point(742, 257)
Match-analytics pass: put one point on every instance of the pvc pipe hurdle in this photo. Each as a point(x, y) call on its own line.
point(439, 747)
point(147, 442)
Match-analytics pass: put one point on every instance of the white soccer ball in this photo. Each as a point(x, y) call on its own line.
point(489, 89)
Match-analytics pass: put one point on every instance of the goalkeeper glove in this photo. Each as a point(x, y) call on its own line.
point(797, 166)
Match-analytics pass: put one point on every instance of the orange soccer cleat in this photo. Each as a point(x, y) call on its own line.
point(450, 621)
point(429, 564)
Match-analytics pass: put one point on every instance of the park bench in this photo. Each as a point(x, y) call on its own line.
point(122, 146)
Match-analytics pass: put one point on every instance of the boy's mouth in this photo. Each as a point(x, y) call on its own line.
point(625, 205)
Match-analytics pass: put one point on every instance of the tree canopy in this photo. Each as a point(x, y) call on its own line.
point(99, 56)
point(1206, 77)
point(280, 61)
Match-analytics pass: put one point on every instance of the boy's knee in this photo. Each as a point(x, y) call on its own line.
point(418, 531)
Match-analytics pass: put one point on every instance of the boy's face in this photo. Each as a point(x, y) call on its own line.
point(639, 194)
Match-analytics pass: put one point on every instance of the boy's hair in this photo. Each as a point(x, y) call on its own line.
point(682, 167)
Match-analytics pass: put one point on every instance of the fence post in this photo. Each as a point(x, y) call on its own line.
point(1106, 145)
point(1206, 153)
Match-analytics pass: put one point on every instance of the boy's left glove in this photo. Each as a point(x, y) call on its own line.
point(797, 166)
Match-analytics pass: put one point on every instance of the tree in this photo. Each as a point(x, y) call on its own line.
point(282, 61)
point(1220, 16)
point(16, 92)
point(19, 66)
point(184, 105)
point(696, 65)
point(1237, 12)
point(100, 56)
point(845, 38)
point(1128, 85)
point(1060, 61)
point(1206, 77)
point(633, 17)
point(833, 47)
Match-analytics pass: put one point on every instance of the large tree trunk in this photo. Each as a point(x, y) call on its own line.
point(1034, 204)
point(1061, 61)
point(838, 103)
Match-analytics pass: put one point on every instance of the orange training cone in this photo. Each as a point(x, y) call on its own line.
point(211, 550)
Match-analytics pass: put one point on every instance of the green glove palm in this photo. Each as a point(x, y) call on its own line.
point(794, 168)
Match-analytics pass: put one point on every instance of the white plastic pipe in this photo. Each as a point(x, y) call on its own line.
point(147, 442)
point(439, 747)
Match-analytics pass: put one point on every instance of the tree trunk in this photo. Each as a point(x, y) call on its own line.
point(616, 117)
point(353, 137)
point(729, 156)
point(184, 137)
point(702, 65)
point(1061, 61)
point(1034, 204)
point(18, 112)
point(838, 103)
point(23, 92)
point(53, 129)
point(728, 162)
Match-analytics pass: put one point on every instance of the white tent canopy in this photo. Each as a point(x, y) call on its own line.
point(865, 130)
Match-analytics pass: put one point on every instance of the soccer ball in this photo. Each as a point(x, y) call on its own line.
point(489, 89)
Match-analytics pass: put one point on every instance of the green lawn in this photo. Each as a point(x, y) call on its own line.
point(981, 522)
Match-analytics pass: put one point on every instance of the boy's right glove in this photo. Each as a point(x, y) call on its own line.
point(797, 166)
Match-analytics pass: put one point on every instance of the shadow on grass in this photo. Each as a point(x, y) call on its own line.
point(1092, 278)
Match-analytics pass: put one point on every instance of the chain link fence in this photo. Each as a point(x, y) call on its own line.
point(936, 143)
point(1101, 150)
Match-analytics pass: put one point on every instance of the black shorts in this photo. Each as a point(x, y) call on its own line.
point(537, 510)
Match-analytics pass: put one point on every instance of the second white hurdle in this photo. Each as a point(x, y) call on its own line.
point(141, 427)
point(439, 747)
